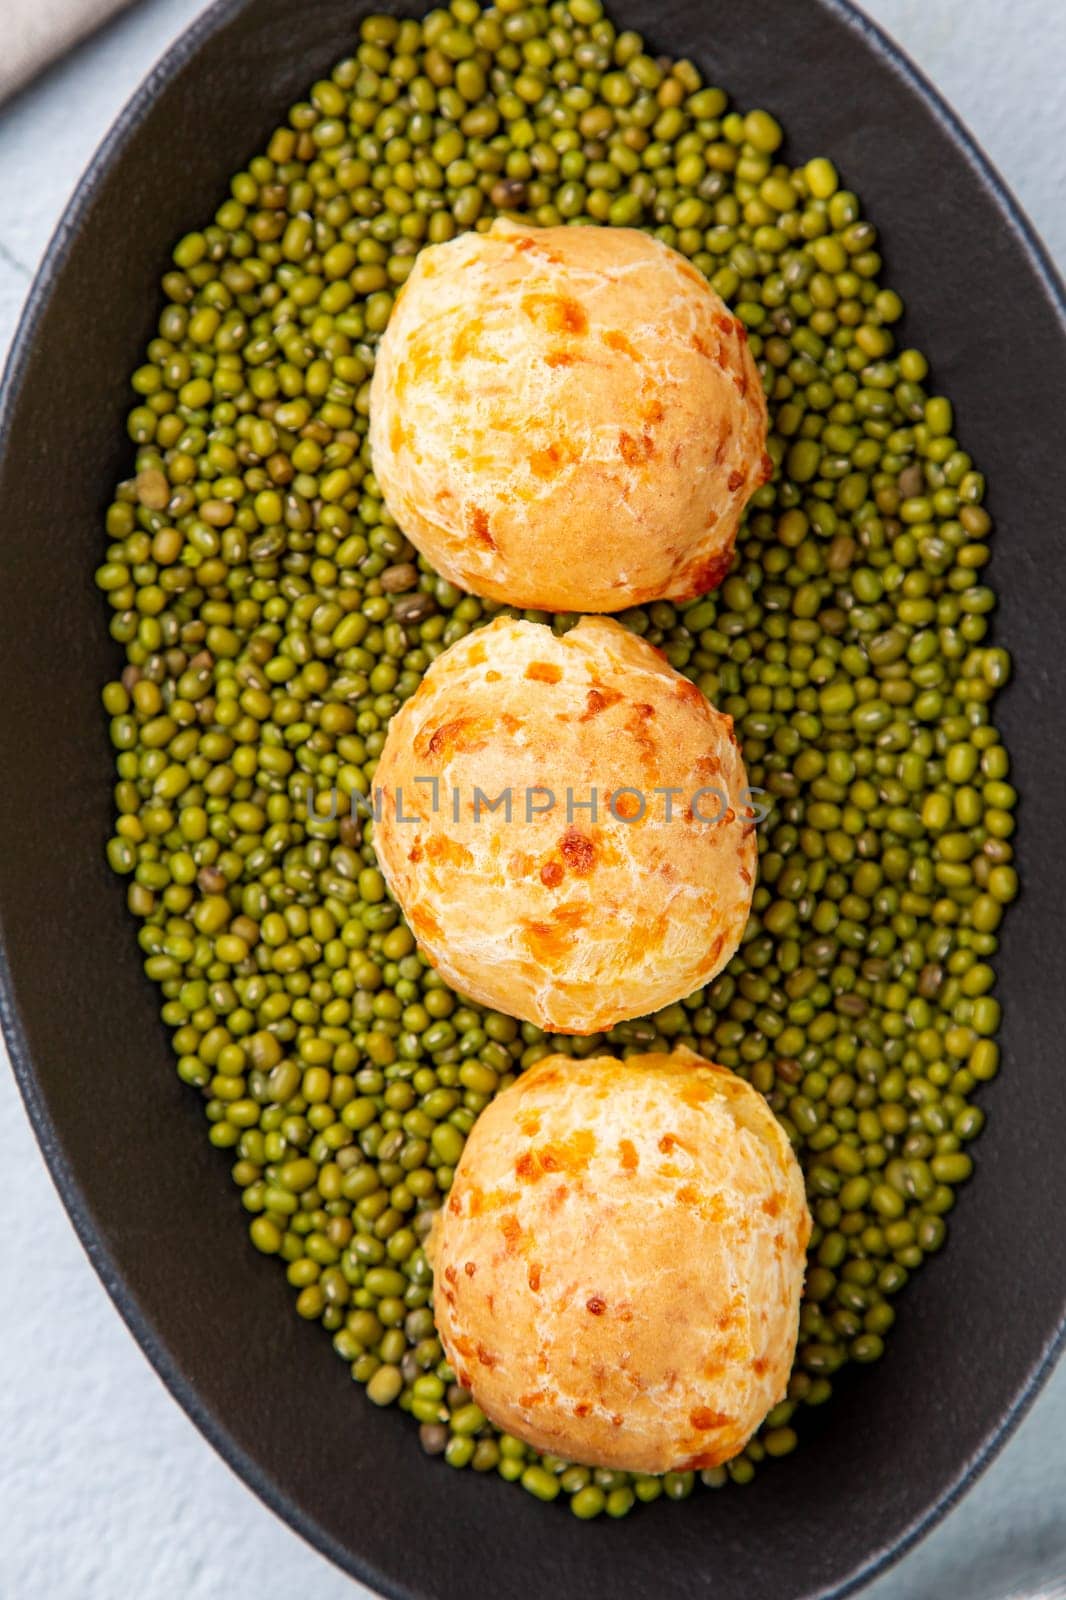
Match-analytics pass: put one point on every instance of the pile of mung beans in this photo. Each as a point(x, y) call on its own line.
point(273, 618)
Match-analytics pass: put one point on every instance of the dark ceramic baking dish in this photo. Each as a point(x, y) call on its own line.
point(153, 1203)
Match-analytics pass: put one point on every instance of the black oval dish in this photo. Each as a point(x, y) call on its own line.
point(151, 1200)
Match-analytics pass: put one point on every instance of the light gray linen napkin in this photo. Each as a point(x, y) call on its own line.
point(35, 32)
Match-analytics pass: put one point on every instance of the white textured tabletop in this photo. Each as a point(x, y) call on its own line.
point(106, 1489)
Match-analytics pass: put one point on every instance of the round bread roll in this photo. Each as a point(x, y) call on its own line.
point(519, 895)
point(567, 419)
point(619, 1263)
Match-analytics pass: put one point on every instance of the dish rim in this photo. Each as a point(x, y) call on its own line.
point(149, 1338)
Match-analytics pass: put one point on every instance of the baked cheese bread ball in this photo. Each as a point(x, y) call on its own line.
point(567, 419)
point(524, 827)
point(619, 1263)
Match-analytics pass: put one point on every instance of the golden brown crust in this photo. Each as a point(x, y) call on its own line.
point(619, 1263)
point(570, 922)
point(567, 418)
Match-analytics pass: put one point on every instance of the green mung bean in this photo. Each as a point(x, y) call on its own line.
point(272, 618)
